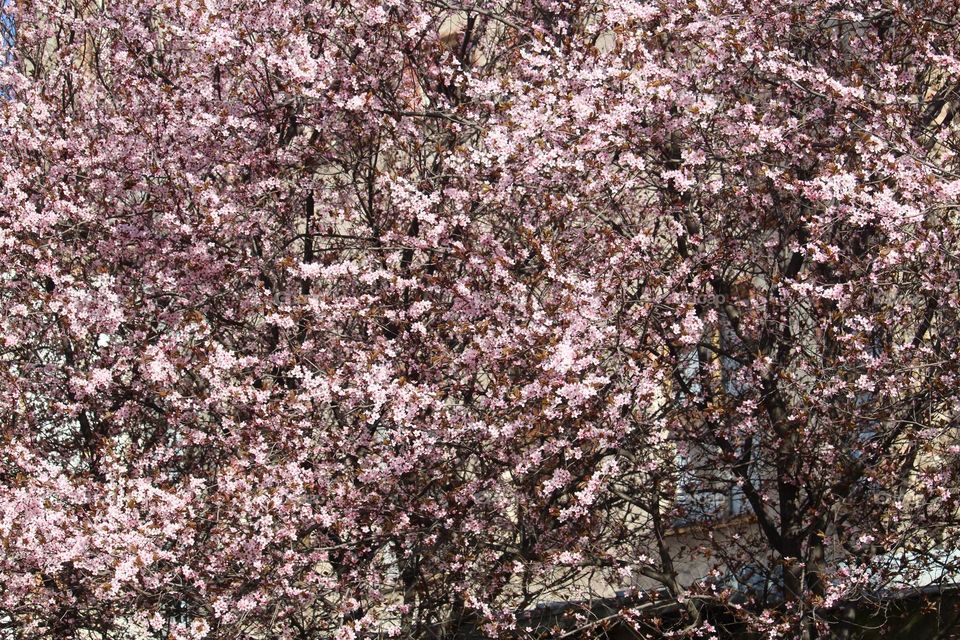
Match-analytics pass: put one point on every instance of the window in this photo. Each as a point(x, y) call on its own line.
point(705, 491)
point(8, 32)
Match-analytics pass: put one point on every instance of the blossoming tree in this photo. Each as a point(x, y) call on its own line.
point(399, 317)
